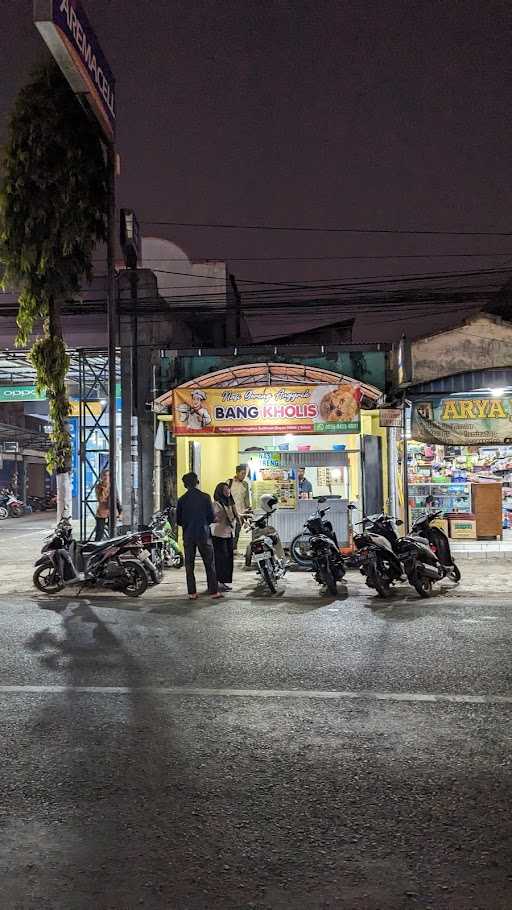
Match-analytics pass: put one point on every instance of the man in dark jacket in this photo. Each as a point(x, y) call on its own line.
point(195, 515)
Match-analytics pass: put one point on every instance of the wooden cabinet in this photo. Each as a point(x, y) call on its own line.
point(487, 505)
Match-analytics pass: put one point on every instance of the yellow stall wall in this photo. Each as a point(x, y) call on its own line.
point(219, 458)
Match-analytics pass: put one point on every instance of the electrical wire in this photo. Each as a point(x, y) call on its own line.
point(327, 230)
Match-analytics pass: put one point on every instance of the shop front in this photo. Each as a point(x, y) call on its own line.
point(301, 433)
point(459, 454)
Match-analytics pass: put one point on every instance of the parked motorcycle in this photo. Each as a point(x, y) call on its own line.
point(112, 564)
point(438, 541)
point(172, 555)
point(264, 545)
point(10, 503)
point(377, 545)
point(319, 550)
point(300, 547)
point(388, 556)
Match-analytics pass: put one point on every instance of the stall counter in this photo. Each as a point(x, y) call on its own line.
point(290, 522)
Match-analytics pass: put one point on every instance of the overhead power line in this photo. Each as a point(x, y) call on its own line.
point(201, 260)
point(326, 230)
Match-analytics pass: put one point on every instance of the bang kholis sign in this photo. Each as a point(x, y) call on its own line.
point(463, 421)
point(271, 410)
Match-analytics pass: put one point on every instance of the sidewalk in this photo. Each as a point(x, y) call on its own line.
point(483, 573)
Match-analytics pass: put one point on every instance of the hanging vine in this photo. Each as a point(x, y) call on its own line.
point(53, 206)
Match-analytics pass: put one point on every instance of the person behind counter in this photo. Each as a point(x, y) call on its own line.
point(239, 489)
point(304, 486)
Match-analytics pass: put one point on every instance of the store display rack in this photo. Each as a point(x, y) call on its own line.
point(449, 497)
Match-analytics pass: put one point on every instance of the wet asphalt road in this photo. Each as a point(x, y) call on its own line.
point(284, 753)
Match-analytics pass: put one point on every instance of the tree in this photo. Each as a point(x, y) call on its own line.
point(53, 209)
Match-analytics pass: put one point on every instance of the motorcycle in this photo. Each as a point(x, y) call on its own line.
point(387, 556)
point(172, 555)
point(152, 556)
point(439, 543)
point(323, 552)
point(377, 544)
point(10, 504)
point(263, 546)
point(300, 547)
point(112, 564)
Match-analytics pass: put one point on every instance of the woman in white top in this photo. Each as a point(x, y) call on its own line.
point(223, 532)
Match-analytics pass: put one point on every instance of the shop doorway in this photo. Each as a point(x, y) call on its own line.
point(373, 491)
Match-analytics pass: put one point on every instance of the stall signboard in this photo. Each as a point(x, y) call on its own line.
point(390, 417)
point(471, 421)
point(240, 411)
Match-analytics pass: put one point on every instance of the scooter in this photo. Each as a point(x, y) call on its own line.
point(263, 546)
point(377, 544)
point(326, 560)
point(11, 505)
point(439, 543)
point(387, 557)
point(112, 564)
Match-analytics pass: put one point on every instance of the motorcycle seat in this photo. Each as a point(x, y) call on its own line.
point(103, 544)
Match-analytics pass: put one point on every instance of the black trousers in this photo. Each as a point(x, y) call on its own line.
point(205, 548)
point(223, 547)
point(100, 528)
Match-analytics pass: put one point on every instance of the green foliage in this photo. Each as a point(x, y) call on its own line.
point(53, 205)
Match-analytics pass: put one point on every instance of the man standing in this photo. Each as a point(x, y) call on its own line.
point(304, 486)
point(195, 515)
point(241, 497)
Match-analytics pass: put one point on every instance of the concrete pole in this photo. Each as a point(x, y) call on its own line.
point(112, 335)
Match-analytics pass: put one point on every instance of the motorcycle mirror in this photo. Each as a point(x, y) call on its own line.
point(399, 522)
point(351, 505)
point(321, 499)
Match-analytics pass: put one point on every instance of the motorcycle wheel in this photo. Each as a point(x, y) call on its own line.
point(177, 561)
point(300, 552)
point(268, 578)
point(423, 585)
point(327, 577)
point(380, 584)
point(16, 511)
point(454, 573)
point(138, 578)
point(3, 513)
point(47, 580)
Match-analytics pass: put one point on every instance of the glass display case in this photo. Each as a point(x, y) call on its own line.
point(449, 497)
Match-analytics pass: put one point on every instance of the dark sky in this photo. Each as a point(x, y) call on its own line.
point(389, 114)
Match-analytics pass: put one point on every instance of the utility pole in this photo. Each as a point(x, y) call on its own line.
point(112, 337)
point(131, 246)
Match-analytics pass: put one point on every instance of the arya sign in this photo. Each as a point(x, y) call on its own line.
point(238, 411)
point(72, 42)
point(472, 421)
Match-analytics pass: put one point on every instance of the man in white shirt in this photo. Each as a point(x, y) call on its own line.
point(239, 489)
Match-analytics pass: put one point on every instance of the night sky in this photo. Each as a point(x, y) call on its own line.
point(335, 114)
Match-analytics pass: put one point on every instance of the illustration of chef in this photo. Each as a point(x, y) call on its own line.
point(194, 415)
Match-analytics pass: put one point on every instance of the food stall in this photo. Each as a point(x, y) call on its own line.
point(315, 422)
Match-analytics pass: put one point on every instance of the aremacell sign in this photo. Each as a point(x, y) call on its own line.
point(67, 31)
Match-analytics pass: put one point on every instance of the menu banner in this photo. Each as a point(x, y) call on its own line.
point(270, 410)
point(463, 421)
